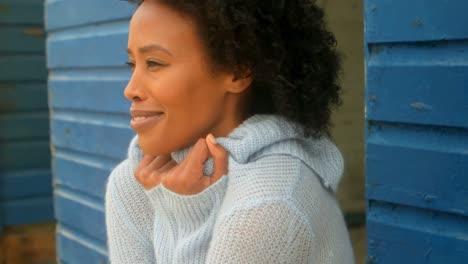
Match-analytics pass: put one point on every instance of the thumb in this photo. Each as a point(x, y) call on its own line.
point(220, 157)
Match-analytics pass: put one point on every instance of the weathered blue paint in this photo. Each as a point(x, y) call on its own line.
point(101, 49)
point(431, 88)
point(86, 55)
point(415, 20)
point(24, 67)
point(80, 212)
point(21, 12)
point(417, 131)
point(13, 98)
point(71, 13)
point(25, 177)
point(419, 166)
point(401, 234)
point(22, 39)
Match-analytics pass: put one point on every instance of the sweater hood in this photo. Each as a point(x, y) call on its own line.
point(263, 135)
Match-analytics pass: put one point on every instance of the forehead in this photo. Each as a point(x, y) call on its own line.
point(154, 23)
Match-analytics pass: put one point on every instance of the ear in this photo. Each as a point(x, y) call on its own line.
point(240, 81)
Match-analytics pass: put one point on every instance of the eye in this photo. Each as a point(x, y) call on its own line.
point(131, 65)
point(152, 64)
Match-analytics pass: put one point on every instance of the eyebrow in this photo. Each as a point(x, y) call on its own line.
point(148, 48)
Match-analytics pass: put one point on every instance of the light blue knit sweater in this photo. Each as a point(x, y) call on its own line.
point(275, 205)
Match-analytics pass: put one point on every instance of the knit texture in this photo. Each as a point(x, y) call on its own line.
point(275, 205)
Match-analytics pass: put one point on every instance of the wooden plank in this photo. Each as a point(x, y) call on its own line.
point(73, 247)
point(16, 96)
point(23, 68)
point(27, 211)
point(104, 93)
point(80, 212)
point(29, 244)
point(21, 12)
point(63, 14)
point(26, 195)
point(16, 39)
point(400, 234)
point(28, 183)
point(104, 47)
point(17, 155)
point(416, 20)
point(92, 134)
point(90, 129)
point(83, 172)
point(423, 84)
point(24, 126)
point(419, 166)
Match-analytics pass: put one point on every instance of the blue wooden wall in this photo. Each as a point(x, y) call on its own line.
point(90, 133)
point(417, 131)
point(25, 178)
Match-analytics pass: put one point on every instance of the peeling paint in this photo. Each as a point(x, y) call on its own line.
point(34, 31)
point(418, 23)
point(430, 198)
point(421, 106)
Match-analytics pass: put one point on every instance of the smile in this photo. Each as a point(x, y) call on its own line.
point(142, 119)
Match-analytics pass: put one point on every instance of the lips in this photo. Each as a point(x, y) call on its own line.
point(142, 119)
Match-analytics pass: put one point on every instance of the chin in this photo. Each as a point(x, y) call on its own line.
point(150, 146)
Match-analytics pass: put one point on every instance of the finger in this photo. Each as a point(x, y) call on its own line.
point(198, 155)
point(157, 163)
point(151, 180)
point(155, 178)
point(161, 161)
point(147, 159)
point(220, 157)
point(171, 164)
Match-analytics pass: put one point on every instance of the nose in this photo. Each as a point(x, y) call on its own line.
point(133, 91)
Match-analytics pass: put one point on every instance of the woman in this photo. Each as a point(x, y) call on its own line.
point(231, 103)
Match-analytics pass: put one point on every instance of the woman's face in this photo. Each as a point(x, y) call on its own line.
point(176, 97)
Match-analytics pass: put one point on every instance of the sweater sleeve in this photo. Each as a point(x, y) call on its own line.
point(266, 232)
point(129, 219)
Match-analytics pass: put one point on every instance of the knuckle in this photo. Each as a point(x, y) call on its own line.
point(138, 174)
point(145, 173)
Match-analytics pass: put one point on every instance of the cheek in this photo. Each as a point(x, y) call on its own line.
point(186, 93)
point(193, 104)
point(191, 100)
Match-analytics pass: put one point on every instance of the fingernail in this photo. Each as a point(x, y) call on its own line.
point(212, 139)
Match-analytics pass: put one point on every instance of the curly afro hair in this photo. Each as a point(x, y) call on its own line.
point(286, 47)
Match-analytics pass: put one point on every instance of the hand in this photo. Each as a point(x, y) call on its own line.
point(187, 177)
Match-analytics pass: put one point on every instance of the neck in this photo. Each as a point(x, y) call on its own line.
point(236, 111)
